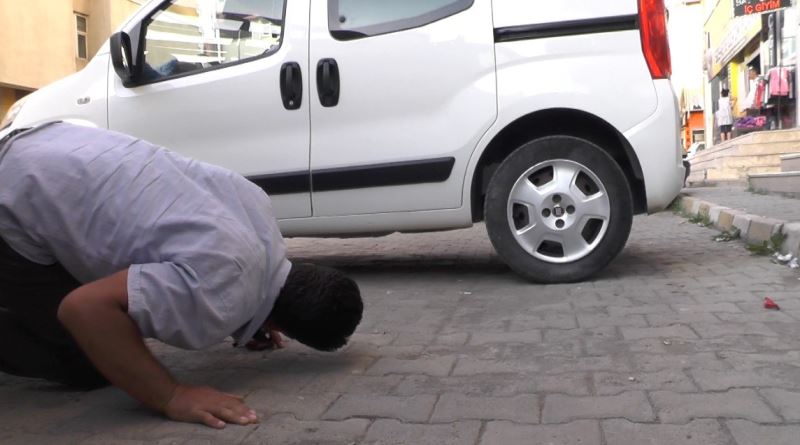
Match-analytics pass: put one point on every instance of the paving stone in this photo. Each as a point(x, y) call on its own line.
point(302, 406)
point(197, 433)
point(127, 422)
point(722, 329)
point(285, 429)
point(604, 332)
point(440, 366)
point(527, 322)
point(392, 432)
point(657, 320)
point(519, 409)
point(787, 402)
point(597, 320)
point(559, 365)
point(352, 384)
point(408, 409)
point(658, 362)
point(642, 309)
point(666, 380)
point(745, 361)
point(631, 405)
point(457, 339)
point(750, 433)
point(566, 348)
point(483, 338)
point(659, 332)
point(23, 438)
point(709, 307)
point(580, 432)
point(377, 339)
point(736, 403)
point(710, 380)
point(698, 432)
point(470, 366)
point(761, 316)
point(482, 385)
point(414, 338)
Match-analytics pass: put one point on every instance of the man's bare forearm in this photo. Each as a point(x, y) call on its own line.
point(96, 316)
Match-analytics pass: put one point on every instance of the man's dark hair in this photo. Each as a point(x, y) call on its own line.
point(725, 92)
point(318, 306)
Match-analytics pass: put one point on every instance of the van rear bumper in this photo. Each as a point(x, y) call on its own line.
point(656, 142)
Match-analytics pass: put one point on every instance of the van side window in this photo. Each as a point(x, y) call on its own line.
point(187, 36)
point(355, 19)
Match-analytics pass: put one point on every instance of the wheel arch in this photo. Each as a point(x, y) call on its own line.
point(551, 122)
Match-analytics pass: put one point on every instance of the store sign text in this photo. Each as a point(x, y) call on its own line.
point(748, 7)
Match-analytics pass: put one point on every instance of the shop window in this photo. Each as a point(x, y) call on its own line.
point(698, 136)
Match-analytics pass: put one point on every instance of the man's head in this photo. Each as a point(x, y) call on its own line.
point(724, 92)
point(318, 306)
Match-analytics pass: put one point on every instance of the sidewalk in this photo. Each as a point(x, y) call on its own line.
point(758, 218)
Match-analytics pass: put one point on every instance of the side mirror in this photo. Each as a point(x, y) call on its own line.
point(121, 59)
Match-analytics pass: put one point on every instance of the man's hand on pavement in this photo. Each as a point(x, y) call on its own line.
point(201, 404)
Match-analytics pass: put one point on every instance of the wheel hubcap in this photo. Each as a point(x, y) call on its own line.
point(559, 211)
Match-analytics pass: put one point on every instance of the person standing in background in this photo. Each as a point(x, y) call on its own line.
point(725, 116)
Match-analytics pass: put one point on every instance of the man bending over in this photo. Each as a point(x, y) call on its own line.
point(106, 240)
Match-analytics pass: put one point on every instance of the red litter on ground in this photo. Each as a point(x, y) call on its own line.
point(770, 304)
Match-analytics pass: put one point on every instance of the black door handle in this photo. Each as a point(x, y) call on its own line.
point(291, 85)
point(328, 82)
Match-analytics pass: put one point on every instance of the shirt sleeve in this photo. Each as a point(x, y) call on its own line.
point(193, 307)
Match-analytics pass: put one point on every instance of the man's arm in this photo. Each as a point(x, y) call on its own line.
point(96, 314)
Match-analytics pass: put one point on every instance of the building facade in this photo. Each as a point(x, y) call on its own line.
point(44, 40)
point(685, 27)
point(751, 56)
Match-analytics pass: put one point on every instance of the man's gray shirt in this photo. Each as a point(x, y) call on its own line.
point(204, 255)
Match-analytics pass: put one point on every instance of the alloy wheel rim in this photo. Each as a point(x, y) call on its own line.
point(558, 211)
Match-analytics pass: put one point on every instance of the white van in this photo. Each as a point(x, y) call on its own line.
point(554, 123)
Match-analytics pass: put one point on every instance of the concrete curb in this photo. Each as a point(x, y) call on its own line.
point(753, 229)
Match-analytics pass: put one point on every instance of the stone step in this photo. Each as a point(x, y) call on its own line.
point(734, 168)
point(754, 153)
point(784, 182)
point(790, 162)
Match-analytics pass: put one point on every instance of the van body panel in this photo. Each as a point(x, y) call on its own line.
point(402, 93)
point(656, 142)
point(82, 96)
point(516, 13)
point(233, 116)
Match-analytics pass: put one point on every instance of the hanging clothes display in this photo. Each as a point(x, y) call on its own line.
point(779, 81)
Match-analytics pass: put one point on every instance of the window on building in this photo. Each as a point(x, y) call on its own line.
point(698, 136)
point(81, 28)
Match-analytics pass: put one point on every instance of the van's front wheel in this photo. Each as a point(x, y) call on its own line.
point(558, 209)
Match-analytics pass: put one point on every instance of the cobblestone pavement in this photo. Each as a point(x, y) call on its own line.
point(670, 345)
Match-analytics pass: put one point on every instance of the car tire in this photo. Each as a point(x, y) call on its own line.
point(558, 209)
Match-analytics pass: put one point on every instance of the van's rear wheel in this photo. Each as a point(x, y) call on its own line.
point(558, 209)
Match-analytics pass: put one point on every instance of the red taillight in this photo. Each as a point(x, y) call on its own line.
point(653, 25)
